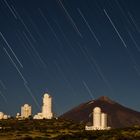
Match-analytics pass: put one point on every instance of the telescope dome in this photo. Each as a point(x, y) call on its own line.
point(97, 110)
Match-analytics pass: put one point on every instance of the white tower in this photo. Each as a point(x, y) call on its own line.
point(99, 120)
point(103, 120)
point(47, 107)
point(25, 111)
point(97, 117)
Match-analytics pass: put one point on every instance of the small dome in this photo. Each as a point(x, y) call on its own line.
point(5, 117)
point(26, 105)
point(46, 95)
point(18, 114)
point(97, 110)
point(1, 112)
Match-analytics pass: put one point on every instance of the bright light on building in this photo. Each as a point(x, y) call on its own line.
point(46, 108)
point(26, 111)
point(99, 120)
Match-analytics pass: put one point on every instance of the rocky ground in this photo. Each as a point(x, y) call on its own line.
point(60, 130)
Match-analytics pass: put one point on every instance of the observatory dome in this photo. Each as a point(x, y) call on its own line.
point(1, 113)
point(97, 110)
point(26, 105)
point(46, 95)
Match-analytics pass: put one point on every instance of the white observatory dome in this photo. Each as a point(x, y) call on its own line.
point(1, 113)
point(46, 95)
point(5, 117)
point(97, 110)
point(26, 105)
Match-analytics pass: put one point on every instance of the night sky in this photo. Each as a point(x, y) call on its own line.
point(76, 50)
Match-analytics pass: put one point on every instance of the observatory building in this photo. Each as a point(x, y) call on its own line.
point(3, 116)
point(46, 108)
point(26, 111)
point(99, 120)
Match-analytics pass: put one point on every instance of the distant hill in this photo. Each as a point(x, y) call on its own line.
point(118, 115)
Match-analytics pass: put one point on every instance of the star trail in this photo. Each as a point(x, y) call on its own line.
point(78, 50)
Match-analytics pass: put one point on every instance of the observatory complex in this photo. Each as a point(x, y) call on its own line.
point(99, 120)
point(46, 108)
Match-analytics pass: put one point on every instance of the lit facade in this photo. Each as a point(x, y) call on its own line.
point(3, 116)
point(99, 120)
point(26, 111)
point(46, 108)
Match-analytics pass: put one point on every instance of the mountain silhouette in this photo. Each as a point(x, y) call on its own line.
point(118, 115)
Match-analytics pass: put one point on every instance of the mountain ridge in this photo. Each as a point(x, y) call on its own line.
point(118, 115)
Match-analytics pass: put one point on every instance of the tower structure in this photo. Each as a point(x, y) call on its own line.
point(103, 120)
point(26, 111)
point(99, 120)
point(47, 107)
point(97, 117)
point(46, 112)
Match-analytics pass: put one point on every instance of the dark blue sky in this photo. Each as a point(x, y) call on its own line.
point(75, 49)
